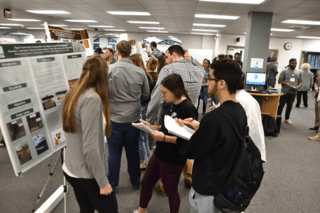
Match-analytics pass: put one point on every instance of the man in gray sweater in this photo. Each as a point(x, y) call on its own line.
point(128, 86)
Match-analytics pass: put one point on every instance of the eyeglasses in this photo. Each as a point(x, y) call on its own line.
point(211, 79)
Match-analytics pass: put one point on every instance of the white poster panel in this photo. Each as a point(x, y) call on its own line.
point(22, 116)
point(51, 87)
point(201, 54)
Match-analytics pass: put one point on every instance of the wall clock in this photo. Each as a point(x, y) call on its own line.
point(287, 46)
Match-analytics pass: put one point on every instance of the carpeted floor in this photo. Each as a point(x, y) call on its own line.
point(291, 183)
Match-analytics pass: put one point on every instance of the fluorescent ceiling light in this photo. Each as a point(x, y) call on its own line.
point(5, 27)
point(209, 25)
point(12, 25)
point(308, 37)
point(114, 30)
point(281, 30)
point(216, 16)
point(290, 21)
point(236, 1)
point(246, 33)
point(48, 12)
point(201, 33)
point(127, 13)
point(77, 20)
point(155, 31)
point(153, 28)
point(143, 22)
point(23, 19)
point(35, 28)
point(20, 34)
point(101, 26)
point(56, 25)
point(201, 30)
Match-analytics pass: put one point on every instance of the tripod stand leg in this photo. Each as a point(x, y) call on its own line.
point(45, 186)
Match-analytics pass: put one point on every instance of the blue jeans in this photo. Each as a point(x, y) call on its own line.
point(123, 134)
point(144, 150)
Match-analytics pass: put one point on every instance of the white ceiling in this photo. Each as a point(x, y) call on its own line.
point(176, 16)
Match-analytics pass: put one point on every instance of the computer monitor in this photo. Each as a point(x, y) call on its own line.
point(254, 79)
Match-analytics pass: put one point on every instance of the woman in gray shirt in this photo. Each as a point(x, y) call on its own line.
point(85, 164)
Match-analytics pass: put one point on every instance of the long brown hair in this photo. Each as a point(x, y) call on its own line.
point(152, 64)
point(137, 60)
point(94, 75)
point(161, 63)
point(174, 84)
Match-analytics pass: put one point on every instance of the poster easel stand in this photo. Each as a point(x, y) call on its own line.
point(57, 196)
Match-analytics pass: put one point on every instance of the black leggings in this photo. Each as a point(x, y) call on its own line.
point(88, 196)
point(170, 175)
point(305, 98)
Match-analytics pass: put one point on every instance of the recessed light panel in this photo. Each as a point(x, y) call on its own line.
point(56, 25)
point(308, 37)
point(35, 28)
point(57, 12)
point(236, 1)
point(201, 30)
point(209, 25)
point(77, 20)
point(12, 25)
point(24, 19)
point(201, 33)
point(143, 22)
point(290, 21)
point(127, 13)
point(281, 30)
point(153, 28)
point(5, 27)
point(155, 31)
point(216, 16)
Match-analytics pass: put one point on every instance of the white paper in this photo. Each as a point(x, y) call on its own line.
point(143, 127)
point(256, 62)
point(174, 128)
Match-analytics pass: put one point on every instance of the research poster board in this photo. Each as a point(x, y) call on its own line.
point(201, 54)
point(33, 83)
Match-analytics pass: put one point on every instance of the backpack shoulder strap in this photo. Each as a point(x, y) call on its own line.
point(234, 126)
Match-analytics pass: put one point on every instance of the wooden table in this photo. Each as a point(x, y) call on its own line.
point(269, 103)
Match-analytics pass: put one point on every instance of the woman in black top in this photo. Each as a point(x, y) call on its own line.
point(167, 162)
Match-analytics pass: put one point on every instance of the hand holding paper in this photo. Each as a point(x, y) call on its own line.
point(173, 127)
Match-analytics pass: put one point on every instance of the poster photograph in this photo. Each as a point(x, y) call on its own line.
point(58, 136)
point(34, 122)
point(16, 129)
point(48, 102)
point(40, 143)
point(60, 97)
point(23, 152)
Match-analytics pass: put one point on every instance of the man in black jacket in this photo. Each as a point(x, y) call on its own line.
point(214, 145)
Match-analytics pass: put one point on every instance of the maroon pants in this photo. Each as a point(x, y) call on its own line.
point(170, 175)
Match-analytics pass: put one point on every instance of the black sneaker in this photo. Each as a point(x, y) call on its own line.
point(314, 128)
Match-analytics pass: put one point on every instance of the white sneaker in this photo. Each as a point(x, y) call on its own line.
point(135, 211)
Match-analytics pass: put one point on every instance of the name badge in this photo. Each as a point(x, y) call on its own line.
point(292, 79)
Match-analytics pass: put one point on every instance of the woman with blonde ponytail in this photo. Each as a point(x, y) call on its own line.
point(85, 166)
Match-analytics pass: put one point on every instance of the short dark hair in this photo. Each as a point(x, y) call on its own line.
point(177, 49)
point(229, 71)
point(154, 44)
point(274, 59)
point(124, 48)
point(237, 54)
point(111, 50)
point(230, 56)
point(221, 56)
point(292, 59)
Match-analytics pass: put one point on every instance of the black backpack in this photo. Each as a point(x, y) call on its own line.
point(269, 126)
point(245, 178)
